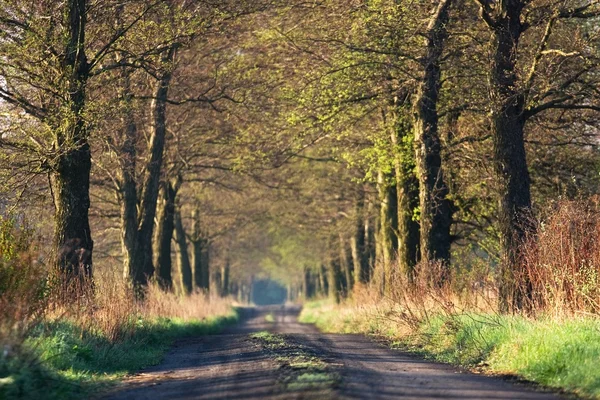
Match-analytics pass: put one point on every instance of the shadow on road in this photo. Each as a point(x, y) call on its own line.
point(231, 366)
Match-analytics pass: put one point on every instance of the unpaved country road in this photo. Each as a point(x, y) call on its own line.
point(231, 365)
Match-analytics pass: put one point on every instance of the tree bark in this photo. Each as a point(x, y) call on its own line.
point(510, 160)
point(70, 175)
point(164, 234)
point(435, 207)
point(407, 187)
point(127, 195)
point(142, 269)
point(408, 226)
point(225, 272)
point(355, 245)
point(333, 288)
point(217, 281)
point(323, 283)
point(370, 230)
point(345, 265)
point(388, 225)
point(309, 284)
point(200, 254)
point(359, 242)
point(183, 259)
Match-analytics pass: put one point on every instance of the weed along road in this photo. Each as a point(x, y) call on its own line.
point(271, 356)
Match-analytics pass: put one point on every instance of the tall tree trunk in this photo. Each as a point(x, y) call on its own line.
point(143, 269)
point(408, 226)
point(509, 156)
point(355, 245)
point(200, 260)
point(345, 265)
point(320, 291)
point(388, 225)
point(251, 290)
point(70, 176)
point(225, 272)
point(359, 242)
point(435, 207)
point(183, 259)
point(323, 283)
point(309, 284)
point(217, 281)
point(234, 289)
point(333, 289)
point(128, 197)
point(407, 187)
point(370, 230)
point(242, 293)
point(164, 235)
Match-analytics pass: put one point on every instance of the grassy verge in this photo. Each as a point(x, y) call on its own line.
point(300, 368)
point(558, 353)
point(270, 318)
point(61, 360)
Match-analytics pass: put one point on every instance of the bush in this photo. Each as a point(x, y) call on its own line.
point(562, 262)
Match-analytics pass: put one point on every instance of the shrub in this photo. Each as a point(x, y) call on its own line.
point(562, 262)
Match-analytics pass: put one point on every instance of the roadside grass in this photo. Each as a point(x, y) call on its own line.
point(269, 318)
point(269, 340)
point(561, 353)
point(62, 360)
point(61, 341)
point(311, 380)
point(300, 369)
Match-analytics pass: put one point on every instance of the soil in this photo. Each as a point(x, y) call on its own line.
point(235, 365)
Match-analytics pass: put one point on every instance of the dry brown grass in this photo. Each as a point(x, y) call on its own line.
point(562, 261)
point(23, 302)
point(195, 306)
point(430, 291)
point(114, 310)
point(30, 295)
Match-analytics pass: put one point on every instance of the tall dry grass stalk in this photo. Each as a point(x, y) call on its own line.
point(112, 309)
point(562, 262)
point(197, 305)
point(115, 309)
point(23, 303)
point(30, 295)
point(23, 285)
point(432, 289)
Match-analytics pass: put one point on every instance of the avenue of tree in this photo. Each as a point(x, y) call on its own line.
point(205, 144)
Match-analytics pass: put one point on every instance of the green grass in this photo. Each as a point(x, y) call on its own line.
point(563, 354)
point(270, 318)
point(269, 340)
point(312, 380)
point(61, 361)
point(300, 368)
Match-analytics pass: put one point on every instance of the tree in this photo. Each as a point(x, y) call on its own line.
point(165, 226)
point(516, 99)
point(46, 70)
point(435, 208)
point(154, 56)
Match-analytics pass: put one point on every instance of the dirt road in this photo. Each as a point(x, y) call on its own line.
point(298, 362)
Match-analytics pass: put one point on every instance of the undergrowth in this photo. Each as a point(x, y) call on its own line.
point(57, 347)
point(558, 353)
point(554, 340)
point(61, 360)
point(300, 368)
